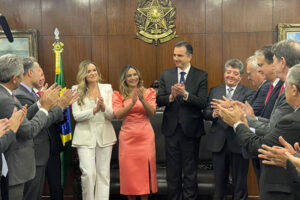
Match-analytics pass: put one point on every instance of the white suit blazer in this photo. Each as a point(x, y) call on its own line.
point(91, 129)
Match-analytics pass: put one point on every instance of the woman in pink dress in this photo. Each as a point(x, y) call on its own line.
point(135, 105)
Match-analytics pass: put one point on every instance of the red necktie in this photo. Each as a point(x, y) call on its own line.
point(39, 93)
point(269, 93)
point(281, 89)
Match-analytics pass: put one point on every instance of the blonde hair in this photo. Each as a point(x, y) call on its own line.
point(124, 90)
point(81, 79)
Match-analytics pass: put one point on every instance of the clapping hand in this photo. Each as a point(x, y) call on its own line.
point(232, 116)
point(4, 126)
point(140, 93)
point(50, 96)
point(68, 97)
point(17, 118)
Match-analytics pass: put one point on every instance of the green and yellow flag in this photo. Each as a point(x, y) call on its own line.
point(66, 132)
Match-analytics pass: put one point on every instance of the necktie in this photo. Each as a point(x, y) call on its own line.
point(4, 166)
point(269, 93)
point(182, 77)
point(229, 93)
point(39, 93)
point(281, 89)
point(15, 98)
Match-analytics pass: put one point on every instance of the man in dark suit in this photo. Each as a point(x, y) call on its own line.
point(53, 168)
point(276, 183)
point(259, 82)
point(26, 95)
point(183, 92)
point(20, 154)
point(265, 64)
point(286, 55)
point(227, 154)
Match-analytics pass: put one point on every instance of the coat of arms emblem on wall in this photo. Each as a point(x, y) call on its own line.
point(155, 21)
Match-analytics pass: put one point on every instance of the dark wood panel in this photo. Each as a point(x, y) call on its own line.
point(98, 17)
point(76, 49)
point(121, 17)
point(213, 16)
point(165, 52)
point(125, 50)
point(100, 55)
point(70, 17)
point(243, 45)
point(252, 181)
point(247, 16)
point(286, 12)
point(22, 14)
point(190, 17)
point(214, 59)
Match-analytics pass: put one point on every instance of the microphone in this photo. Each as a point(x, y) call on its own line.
point(6, 28)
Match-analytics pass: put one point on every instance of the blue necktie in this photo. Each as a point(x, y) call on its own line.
point(182, 77)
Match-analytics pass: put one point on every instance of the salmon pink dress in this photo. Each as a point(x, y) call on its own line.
point(137, 160)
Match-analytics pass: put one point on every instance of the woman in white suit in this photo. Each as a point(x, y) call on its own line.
point(94, 134)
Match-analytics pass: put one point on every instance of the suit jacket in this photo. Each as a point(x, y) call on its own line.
point(275, 182)
point(266, 112)
point(20, 154)
point(41, 141)
point(188, 113)
point(220, 131)
point(258, 101)
point(264, 126)
point(91, 129)
point(290, 167)
point(5, 141)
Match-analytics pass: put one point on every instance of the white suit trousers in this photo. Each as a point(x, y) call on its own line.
point(95, 170)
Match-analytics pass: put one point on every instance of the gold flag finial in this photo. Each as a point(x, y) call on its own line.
point(58, 49)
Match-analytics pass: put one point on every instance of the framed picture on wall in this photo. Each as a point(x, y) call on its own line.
point(24, 44)
point(288, 31)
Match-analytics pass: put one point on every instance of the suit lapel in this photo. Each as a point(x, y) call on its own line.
point(30, 95)
point(189, 78)
point(237, 92)
point(174, 76)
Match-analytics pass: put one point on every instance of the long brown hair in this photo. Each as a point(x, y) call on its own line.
point(81, 79)
point(124, 90)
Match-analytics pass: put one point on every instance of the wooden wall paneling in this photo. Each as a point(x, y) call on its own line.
point(121, 17)
point(125, 50)
point(98, 17)
point(243, 45)
point(213, 16)
point(22, 14)
point(165, 52)
point(76, 49)
point(47, 58)
point(70, 17)
point(214, 59)
point(247, 15)
point(286, 12)
point(100, 55)
point(190, 17)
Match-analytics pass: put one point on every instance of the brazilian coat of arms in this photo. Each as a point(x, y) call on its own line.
point(155, 21)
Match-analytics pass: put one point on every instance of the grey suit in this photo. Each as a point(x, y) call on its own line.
point(20, 154)
point(276, 183)
point(33, 188)
point(264, 126)
point(227, 153)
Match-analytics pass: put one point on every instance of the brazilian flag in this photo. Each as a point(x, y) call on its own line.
point(66, 132)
